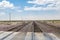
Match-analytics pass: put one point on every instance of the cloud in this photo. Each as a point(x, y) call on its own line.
point(41, 2)
point(39, 8)
point(43, 5)
point(2, 13)
point(7, 7)
point(6, 4)
point(19, 10)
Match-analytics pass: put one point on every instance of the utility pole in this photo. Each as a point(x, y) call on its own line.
point(9, 18)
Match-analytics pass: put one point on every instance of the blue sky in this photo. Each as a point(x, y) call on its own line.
point(30, 9)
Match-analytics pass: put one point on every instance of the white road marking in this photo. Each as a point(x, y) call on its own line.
point(4, 34)
point(39, 36)
point(19, 36)
point(45, 36)
point(11, 36)
point(28, 36)
point(51, 36)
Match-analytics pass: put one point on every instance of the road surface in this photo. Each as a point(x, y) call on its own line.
point(30, 31)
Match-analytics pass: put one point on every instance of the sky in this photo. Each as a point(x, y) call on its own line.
point(30, 9)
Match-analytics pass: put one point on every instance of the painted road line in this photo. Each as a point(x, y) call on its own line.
point(39, 36)
point(33, 36)
point(50, 36)
point(3, 35)
point(11, 36)
point(19, 36)
point(45, 36)
point(28, 36)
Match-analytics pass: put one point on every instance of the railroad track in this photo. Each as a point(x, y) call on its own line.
point(17, 28)
point(24, 30)
point(53, 27)
point(45, 33)
point(29, 31)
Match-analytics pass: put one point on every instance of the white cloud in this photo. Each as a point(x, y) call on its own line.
point(2, 13)
point(6, 4)
point(19, 10)
point(40, 2)
point(45, 5)
point(36, 1)
point(39, 8)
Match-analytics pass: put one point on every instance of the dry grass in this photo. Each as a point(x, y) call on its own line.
point(9, 23)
